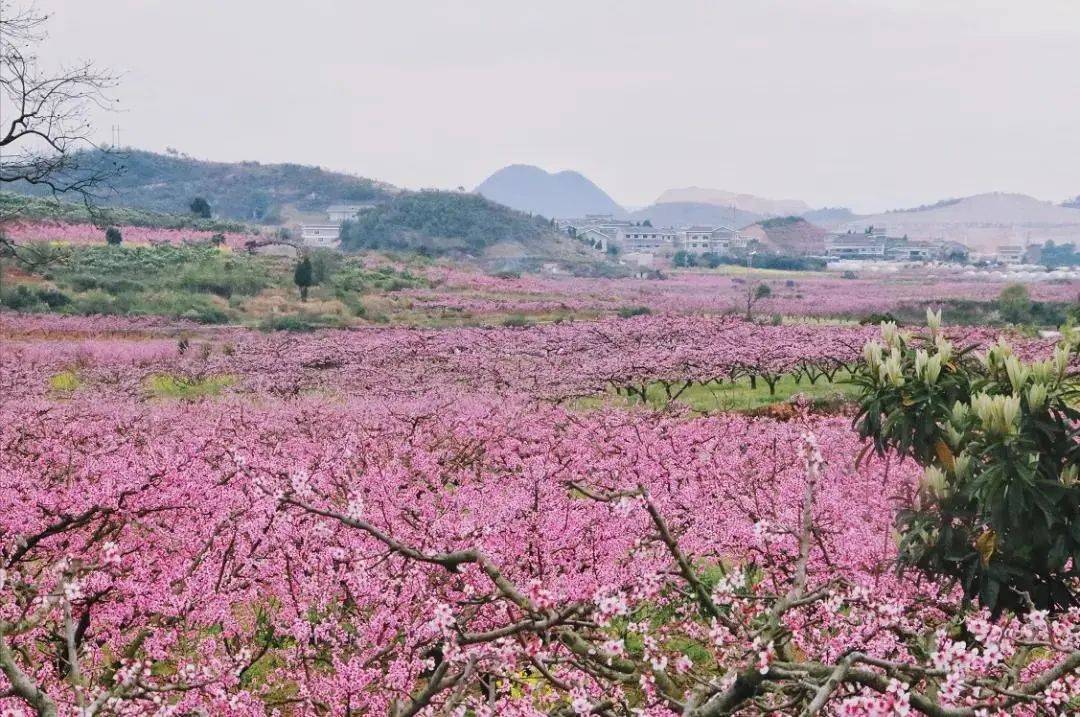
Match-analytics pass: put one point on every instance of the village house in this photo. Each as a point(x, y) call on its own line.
point(338, 213)
point(1010, 254)
point(704, 240)
point(855, 246)
point(324, 236)
point(645, 239)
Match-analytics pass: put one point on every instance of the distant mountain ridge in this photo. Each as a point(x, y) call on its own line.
point(560, 195)
point(675, 214)
point(746, 202)
point(982, 222)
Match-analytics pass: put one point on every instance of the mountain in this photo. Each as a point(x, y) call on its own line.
point(982, 222)
point(745, 202)
point(675, 214)
point(247, 191)
point(562, 195)
point(788, 235)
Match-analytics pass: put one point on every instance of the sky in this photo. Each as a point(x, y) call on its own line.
point(862, 103)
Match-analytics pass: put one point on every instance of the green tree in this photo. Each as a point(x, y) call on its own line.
point(304, 277)
point(998, 505)
point(200, 207)
point(113, 237)
point(1014, 304)
point(754, 295)
point(683, 259)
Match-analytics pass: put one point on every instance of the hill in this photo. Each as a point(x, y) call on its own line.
point(746, 202)
point(246, 191)
point(675, 214)
point(829, 217)
point(562, 195)
point(455, 223)
point(788, 235)
point(982, 222)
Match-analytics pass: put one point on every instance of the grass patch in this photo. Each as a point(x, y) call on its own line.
point(727, 396)
point(302, 322)
point(64, 382)
point(187, 389)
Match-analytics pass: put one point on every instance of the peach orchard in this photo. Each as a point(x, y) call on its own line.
point(402, 522)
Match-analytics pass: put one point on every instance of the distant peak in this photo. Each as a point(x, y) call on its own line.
point(565, 194)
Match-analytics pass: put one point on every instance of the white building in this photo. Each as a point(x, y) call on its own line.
point(338, 213)
point(645, 239)
point(1010, 254)
point(855, 246)
point(704, 240)
point(320, 235)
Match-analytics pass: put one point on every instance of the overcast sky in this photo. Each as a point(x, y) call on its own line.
point(864, 103)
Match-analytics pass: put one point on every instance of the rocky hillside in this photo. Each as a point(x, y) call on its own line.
point(788, 235)
point(982, 222)
point(562, 195)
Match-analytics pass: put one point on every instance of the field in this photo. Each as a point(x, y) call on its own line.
point(422, 489)
point(555, 518)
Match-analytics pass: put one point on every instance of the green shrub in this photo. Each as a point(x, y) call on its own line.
point(300, 322)
point(872, 319)
point(113, 236)
point(628, 311)
point(517, 321)
point(998, 507)
point(26, 298)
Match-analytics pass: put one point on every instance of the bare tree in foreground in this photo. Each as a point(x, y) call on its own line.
point(44, 117)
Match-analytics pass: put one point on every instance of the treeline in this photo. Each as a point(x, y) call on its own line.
point(712, 260)
point(1057, 255)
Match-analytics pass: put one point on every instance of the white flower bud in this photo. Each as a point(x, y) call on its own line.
point(1036, 396)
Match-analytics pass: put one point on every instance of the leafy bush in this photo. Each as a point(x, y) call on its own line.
point(998, 508)
point(113, 236)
